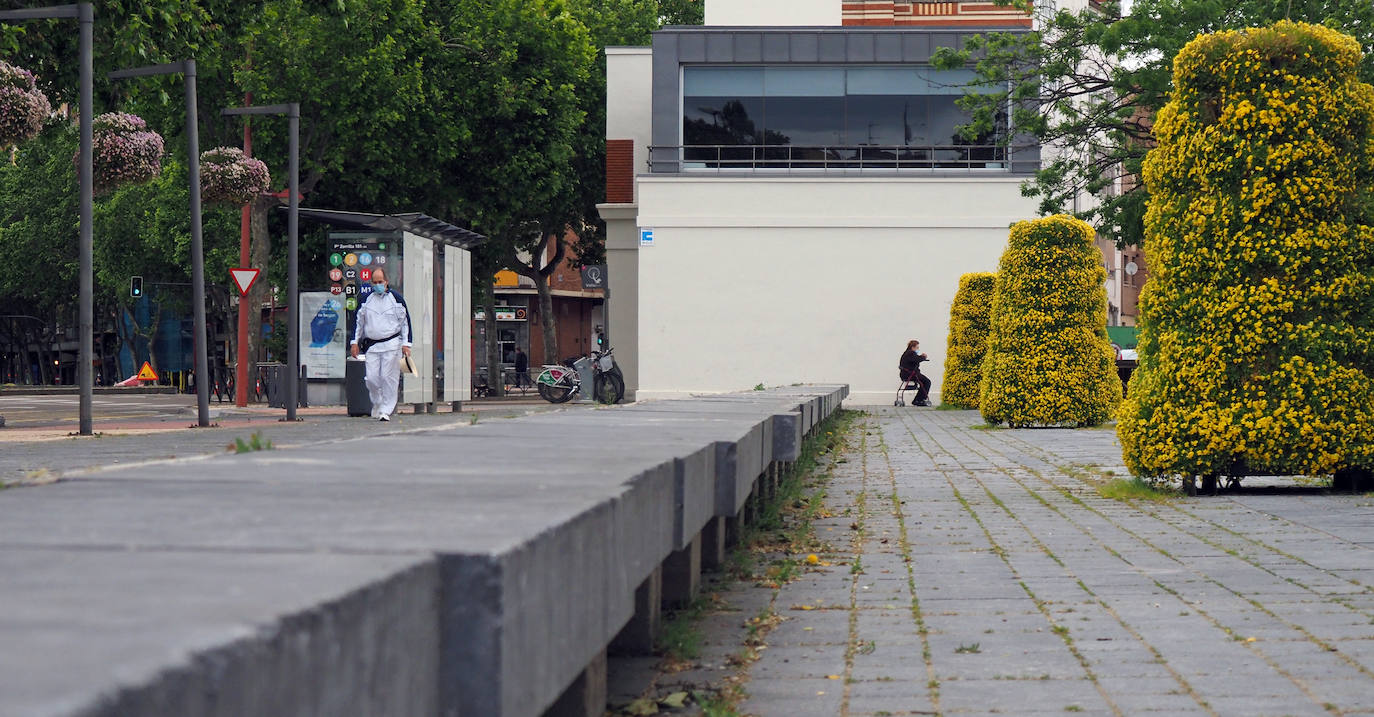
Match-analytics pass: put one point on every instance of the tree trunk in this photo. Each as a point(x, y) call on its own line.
point(546, 318)
point(126, 331)
point(260, 257)
point(493, 348)
point(40, 354)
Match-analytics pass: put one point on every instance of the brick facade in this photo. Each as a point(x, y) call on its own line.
point(932, 14)
point(620, 171)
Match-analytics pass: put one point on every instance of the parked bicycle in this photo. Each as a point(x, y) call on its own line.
point(609, 383)
point(558, 384)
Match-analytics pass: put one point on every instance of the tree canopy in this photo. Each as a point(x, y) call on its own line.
point(490, 114)
point(1088, 84)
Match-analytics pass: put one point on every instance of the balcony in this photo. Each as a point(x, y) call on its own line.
point(813, 159)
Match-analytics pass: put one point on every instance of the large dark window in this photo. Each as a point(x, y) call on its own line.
point(828, 116)
point(721, 108)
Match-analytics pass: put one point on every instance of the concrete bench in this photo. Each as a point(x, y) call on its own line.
point(478, 570)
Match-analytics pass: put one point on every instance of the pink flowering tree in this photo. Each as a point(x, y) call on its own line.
point(227, 176)
point(23, 107)
point(125, 151)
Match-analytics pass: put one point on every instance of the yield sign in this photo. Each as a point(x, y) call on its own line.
point(244, 278)
point(147, 373)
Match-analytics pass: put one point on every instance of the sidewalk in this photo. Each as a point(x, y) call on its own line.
point(44, 454)
point(979, 571)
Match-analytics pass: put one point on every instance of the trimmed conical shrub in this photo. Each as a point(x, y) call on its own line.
point(1256, 349)
point(1049, 362)
point(968, 339)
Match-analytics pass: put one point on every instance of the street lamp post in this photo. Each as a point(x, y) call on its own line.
point(293, 114)
point(187, 69)
point(85, 15)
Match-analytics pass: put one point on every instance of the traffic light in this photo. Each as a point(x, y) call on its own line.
point(136, 287)
point(600, 336)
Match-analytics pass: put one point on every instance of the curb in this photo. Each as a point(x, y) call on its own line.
point(73, 390)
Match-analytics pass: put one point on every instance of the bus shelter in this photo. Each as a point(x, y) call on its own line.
point(429, 261)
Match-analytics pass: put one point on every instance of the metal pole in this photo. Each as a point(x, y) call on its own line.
point(86, 16)
point(245, 302)
point(293, 296)
point(202, 346)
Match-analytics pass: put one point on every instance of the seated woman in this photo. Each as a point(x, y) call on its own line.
point(909, 370)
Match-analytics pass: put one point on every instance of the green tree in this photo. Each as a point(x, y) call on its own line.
point(609, 23)
point(969, 317)
point(1257, 325)
point(370, 139)
point(126, 34)
point(1048, 360)
point(145, 230)
point(513, 73)
point(1089, 84)
point(38, 241)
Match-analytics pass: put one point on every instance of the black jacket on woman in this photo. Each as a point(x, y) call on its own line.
point(910, 364)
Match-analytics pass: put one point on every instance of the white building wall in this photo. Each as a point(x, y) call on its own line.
point(778, 280)
point(775, 13)
point(629, 98)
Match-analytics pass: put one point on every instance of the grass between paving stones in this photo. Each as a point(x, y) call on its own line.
point(772, 551)
point(856, 546)
point(1129, 489)
point(932, 682)
point(1044, 606)
point(1077, 472)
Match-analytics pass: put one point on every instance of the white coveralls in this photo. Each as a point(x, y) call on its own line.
point(379, 317)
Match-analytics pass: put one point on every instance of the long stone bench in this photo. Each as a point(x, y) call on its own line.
point(473, 571)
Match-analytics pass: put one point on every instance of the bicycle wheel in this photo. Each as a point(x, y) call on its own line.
point(557, 393)
point(619, 383)
point(603, 388)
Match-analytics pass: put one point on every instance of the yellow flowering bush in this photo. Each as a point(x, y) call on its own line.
point(968, 339)
point(1048, 360)
point(1255, 345)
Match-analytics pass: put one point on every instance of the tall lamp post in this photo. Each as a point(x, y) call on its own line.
point(83, 13)
point(187, 69)
point(293, 114)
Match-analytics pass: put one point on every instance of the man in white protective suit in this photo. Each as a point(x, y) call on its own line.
point(383, 334)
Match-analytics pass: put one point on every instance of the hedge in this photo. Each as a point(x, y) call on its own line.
point(1049, 362)
point(1256, 346)
point(968, 339)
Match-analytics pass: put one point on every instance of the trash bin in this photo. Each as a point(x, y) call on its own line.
point(587, 374)
point(355, 388)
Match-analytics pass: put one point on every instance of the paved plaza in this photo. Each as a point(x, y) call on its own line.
point(38, 443)
point(978, 571)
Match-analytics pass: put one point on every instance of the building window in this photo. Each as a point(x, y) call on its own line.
point(505, 341)
point(750, 117)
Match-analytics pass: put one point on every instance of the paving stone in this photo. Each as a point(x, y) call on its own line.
point(894, 697)
point(1020, 696)
point(1122, 608)
point(787, 697)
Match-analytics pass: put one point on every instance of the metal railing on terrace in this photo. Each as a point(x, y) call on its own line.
point(736, 158)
